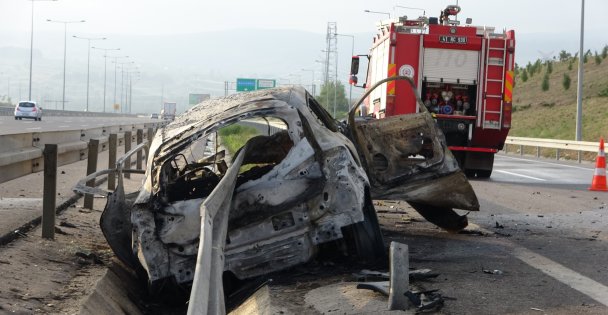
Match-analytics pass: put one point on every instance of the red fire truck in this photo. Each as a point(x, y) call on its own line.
point(463, 74)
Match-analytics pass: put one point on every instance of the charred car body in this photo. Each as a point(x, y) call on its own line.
point(312, 183)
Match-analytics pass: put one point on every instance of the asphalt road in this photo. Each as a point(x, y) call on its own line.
point(543, 247)
point(8, 125)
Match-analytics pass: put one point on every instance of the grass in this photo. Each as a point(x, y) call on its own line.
point(552, 114)
point(235, 136)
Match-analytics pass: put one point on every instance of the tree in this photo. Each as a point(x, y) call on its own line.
point(524, 75)
point(564, 55)
point(549, 66)
point(570, 65)
point(326, 99)
point(587, 55)
point(598, 59)
point(566, 81)
point(605, 52)
point(545, 84)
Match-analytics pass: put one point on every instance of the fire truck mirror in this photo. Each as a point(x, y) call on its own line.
point(354, 65)
point(353, 80)
point(469, 21)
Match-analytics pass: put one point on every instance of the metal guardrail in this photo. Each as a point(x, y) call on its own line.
point(22, 154)
point(558, 145)
point(10, 111)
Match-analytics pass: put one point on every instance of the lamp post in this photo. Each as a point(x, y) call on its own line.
point(378, 12)
point(312, 86)
point(411, 8)
point(32, 47)
point(122, 81)
point(89, 39)
point(65, 45)
point(115, 71)
point(352, 53)
point(105, 67)
point(579, 88)
point(128, 87)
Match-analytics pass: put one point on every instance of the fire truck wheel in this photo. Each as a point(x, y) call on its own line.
point(484, 173)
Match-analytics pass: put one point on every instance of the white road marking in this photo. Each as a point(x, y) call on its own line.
point(63, 126)
point(34, 128)
point(557, 271)
point(543, 162)
point(521, 175)
point(575, 280)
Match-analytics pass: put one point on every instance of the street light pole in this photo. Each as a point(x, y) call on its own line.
point(65, 46)
point(312, 86)
point(352, 53)
point(411, 8)
point(32, 47)
point(378, 12)
point(105, 70)
point(89, 39)
point(579, 89)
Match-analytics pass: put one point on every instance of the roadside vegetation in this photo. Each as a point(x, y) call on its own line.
point(235, 136)
point(544, 103)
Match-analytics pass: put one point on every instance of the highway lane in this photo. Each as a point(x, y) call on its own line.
point(543, 172)
point(8, 125)
point(547, 237)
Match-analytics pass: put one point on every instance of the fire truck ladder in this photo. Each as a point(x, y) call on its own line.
point(491, 79)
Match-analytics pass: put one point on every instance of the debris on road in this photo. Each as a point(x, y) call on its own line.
point(492, 272)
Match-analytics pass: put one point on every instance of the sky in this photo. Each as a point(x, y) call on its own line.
point(106, 17)
point(121, 21)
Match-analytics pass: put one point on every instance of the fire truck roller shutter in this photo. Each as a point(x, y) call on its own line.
point(451, 65)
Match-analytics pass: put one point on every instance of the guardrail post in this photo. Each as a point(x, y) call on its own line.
point(399, 282)
point(557, 154)
point(49, 194)
point(150, 137)
point(112, 160)
point(91, 168)
point(128, 139)
point(538, 152)
point(506, 148)
point(521, 150)
point(579, 156)
point(140, 139)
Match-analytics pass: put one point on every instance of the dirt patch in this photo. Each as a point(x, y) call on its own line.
point(53, 276)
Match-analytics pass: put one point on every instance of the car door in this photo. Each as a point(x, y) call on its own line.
point(406, 158)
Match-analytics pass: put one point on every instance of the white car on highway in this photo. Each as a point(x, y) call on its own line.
point(28, 109)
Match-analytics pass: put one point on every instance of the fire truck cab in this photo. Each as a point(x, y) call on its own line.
point(463, 75)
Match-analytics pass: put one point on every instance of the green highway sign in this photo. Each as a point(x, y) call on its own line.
point(245, 85)
point(266, 84)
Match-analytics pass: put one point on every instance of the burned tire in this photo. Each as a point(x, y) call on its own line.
point(364, 239)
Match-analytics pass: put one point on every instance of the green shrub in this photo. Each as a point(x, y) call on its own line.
point(603, 93)
point(598, 59)
point(545, 84)
point(566, 81)
point(524, 75)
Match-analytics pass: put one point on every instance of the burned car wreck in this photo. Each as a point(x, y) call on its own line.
point(308, 180)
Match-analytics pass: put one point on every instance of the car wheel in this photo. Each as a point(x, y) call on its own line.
point(365, 237)
point(16, 118)
point(40, 119)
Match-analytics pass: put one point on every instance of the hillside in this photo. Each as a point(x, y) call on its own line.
point(552, 113)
